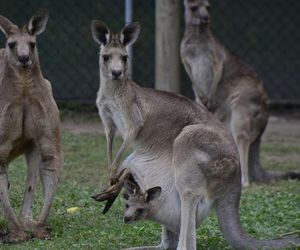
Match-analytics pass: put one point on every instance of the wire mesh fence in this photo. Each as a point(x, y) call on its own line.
point(265, 33)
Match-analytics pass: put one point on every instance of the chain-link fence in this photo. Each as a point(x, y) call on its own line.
point(266, 34)
point(263, 32)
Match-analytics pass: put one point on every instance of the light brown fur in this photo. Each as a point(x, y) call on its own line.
point(228, 87)
point(29, 124)
point(177, 145)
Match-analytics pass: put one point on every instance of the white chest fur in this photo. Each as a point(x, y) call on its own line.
point(109, 108)
point(153, 170)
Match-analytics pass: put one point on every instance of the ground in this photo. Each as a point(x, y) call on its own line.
point(281, 129)
point(267, 211)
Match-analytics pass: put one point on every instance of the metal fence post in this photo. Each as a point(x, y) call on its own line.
point(128, 19)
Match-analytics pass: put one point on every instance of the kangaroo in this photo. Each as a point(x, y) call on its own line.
point(177, 144)
point(143, 202)
point(29, 125)
point(229, 88)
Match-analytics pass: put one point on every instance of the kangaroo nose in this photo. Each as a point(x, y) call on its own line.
point(127, 219)
point(205, 19)
point(116, 74)
point(23, 59)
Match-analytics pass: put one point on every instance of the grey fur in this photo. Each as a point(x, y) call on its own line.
point(177, 145)
point(166, 211)
point(229, 88)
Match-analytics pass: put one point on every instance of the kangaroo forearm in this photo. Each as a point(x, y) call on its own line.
point(129, 138)
point(109, 147)
point(109, 133)
point(212, 92)
point(208, 90)
point(117, 160)
point(216, 78)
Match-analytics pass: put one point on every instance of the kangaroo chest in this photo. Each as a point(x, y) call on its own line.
point(118, 119)
point(199, 64)
point(22, 118)
point(109, 109)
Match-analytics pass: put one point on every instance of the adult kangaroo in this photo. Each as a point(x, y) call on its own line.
point(29, 124)
point(229, 88)
point(177, 144)
point(161, 204)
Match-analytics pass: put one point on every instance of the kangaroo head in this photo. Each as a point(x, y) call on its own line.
point(197, 12)
point(20, 46)
point(137, 202)
point(114, 49)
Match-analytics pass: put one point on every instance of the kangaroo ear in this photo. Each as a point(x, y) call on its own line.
point(130, 185)
point(153, 193)
point(7, 27)
point(130, 33)
point(100, 32)
point(37, 24)
point(126, 196)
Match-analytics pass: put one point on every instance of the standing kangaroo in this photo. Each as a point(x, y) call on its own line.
point(177, 145)
point(229, 88)
point(29, 124)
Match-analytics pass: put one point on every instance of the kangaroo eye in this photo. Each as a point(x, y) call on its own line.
point(126, 206)
point(194, 8)
point(124, 58)
point(105, 58)
point(208, 8)
point(140, 210)
point(32, 45)
point(11, 45)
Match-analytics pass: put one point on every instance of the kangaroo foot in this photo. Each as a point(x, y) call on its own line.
point(108, 195)
point(28, 224)
point(15, 237)
point(111, 193)
point(37, 230)
point(42, 232)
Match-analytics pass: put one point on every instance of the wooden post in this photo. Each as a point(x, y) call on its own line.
point(167, 60)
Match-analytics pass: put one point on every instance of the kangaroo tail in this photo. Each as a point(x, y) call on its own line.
point(258, 174)
point(227, 209)
point(283, 175)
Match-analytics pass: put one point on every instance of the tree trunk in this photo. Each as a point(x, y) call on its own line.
point(167, 61)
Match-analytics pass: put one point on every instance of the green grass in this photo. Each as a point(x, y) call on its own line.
point(266, 211)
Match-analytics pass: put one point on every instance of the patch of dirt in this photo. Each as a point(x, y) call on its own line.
point(292, 158)
point(278, 128)
point(87, 127)
point(283, 128)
